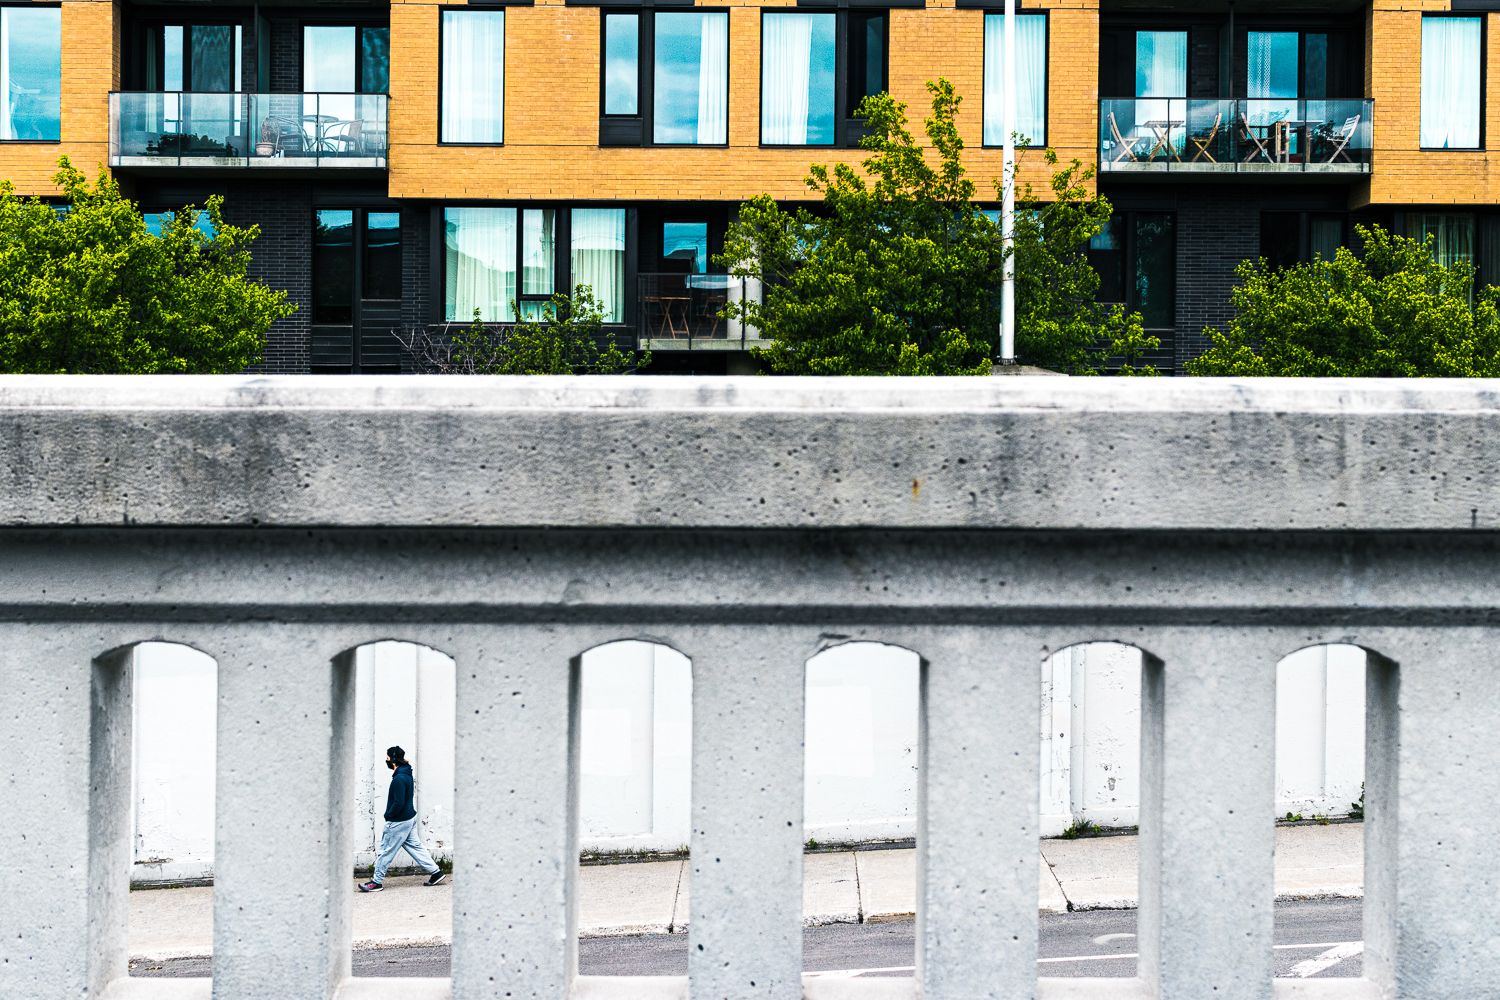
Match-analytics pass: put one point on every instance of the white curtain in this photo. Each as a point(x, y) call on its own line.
point(1451, 96)
point(599, 257)
point(713, 81)
point(1031, 78)
point(473, 76)
point(480, 272)
point(1454, 234)
point(7, 127)
point(785, 77)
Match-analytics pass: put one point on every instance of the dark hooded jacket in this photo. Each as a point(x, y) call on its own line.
point(398, 803)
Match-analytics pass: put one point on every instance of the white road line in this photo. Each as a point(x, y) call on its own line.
point(1334, 952)
point(1327, 960)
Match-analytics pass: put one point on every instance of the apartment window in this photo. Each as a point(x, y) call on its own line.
point(1031, 78)
point(500, 257)
point(333, 267)
point(691, 79)
point(598, 257)
point(31, 73)
point(812, 84)
point(665, 78)
point(473, 77)
point(1452, 96)
point(193, 58)
point(1136, 258)
point(345, 59)
point(157, 222)
point(381, 277)
point(1291, 238)
point(1452, 234)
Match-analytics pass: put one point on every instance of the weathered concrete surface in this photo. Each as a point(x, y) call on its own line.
point(1022, 452)
point(982, 523)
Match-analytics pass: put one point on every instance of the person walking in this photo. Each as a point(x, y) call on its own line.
point(401, 826)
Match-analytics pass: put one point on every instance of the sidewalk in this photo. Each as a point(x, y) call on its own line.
point(845, 887)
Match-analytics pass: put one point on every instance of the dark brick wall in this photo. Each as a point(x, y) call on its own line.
point(282, 258)
point(1214, 234)
point(286, 55)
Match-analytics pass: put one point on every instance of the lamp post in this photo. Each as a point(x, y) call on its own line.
point(1008, 190)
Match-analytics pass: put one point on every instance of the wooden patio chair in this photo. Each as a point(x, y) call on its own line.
point(1256, 146)
point(1204, 141)
point(1126, 149)
point(1342, 138)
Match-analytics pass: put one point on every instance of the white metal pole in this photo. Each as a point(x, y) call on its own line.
point(1008, 197)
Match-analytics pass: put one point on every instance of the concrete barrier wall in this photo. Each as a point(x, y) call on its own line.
point(514, 526)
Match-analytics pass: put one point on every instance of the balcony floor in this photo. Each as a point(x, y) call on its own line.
point(278, 164)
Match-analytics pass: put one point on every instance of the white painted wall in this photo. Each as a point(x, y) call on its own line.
point(636, 732)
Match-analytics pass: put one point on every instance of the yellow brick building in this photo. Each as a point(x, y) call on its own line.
point(412, 161)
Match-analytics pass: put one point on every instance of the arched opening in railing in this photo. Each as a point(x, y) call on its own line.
point(860, 794)
point(634, 759)
point(1321, 710)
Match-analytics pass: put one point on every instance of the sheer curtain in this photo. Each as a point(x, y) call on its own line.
point(599, 257)
point(1454, 234)
point(1160, 73)
point(785, 77)
point(480, 271)
point(1450, 82)
point(713, 81)
point(473, 76)
point(1031, 78)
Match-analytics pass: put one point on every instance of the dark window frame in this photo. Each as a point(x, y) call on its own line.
point(133, 68)
point(61, 35)
point(847, 128)
point(1047, 91)
point(636, 130)
point(1129, 258)
point(488, 8)
point(359, 24)
point(1484, 81)
point(562, 270)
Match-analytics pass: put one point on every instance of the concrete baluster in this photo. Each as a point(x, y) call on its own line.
point(1208, 775)
point(745, 931)
point(65, 740)
point(283, 874)
point(977, 858)
point(1432, 862)
point(515, 812)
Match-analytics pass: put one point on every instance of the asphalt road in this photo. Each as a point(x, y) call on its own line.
point(1313, 939)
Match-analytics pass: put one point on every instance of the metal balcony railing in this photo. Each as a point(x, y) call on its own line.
point(681, 311)
point(272, 131)
point(1172, 135)
point(1215, 525)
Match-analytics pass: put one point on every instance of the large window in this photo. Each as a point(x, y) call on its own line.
point(30, 73)
point(196, 58)
point(691, 79)
point(665, 78)
point(333, 267)
point(1452, 234)
point(812, 83)
point(1031, 78)
point(473, 83)
point(1136, 258)
point(499, 257)
point(1452, 97)
point(598, 257)
point(340, 61)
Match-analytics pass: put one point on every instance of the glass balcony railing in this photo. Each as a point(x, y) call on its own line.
point(248, 130)
point(1162, 134)
point(683, 311)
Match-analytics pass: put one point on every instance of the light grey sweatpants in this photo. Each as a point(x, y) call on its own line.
point(402, 835)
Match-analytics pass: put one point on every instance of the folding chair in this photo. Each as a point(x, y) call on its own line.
point(1342, 138)
point(1204, 142)
point(1126, 149)
point(1256, 145)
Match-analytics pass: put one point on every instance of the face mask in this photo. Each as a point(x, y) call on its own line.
point(391, 764)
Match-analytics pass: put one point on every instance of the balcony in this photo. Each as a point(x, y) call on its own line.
point(283, 132)
point(1156, 135)
point(682, 312)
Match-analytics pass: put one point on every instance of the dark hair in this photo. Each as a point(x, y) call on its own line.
point(396, 754)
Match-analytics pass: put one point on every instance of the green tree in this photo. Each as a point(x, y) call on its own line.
point(85, 287)
point(1391, 311)
point(563, 340)
point(898, 270)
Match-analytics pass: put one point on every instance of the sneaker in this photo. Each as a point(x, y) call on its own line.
point(436, 878)
point(371, 886)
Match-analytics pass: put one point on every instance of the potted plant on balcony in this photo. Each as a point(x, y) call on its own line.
point(267, 143)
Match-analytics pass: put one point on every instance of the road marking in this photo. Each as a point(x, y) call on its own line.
point(1327, 960)
point(1112, 938)
point(1333, 953)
